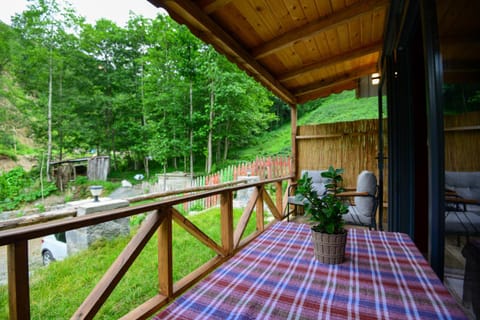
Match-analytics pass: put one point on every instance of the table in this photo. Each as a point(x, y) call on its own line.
point(277, 277)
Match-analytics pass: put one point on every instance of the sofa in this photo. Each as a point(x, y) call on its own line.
point(462, 206)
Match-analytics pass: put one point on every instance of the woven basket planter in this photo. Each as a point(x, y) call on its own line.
point(329, 248)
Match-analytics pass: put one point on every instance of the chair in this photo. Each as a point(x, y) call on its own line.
point(361, 211)
point(297, 201)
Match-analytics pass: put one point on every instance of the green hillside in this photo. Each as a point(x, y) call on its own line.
point(335, 108)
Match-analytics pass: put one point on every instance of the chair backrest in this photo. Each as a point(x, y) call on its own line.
point(366, 182)
point(466, 184)
point(318, 182)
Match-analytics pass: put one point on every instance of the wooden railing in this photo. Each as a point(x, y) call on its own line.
point(159, 221)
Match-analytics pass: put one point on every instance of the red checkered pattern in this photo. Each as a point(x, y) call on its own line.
point(277, 277)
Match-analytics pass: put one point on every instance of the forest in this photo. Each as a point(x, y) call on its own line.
point(147, 91)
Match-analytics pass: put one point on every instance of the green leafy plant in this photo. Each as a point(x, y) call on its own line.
point(325, 211)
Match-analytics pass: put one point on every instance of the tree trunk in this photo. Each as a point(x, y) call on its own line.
point(60, 120)
point(49, 113)
point(191, 129)
point(226, 142)
point(210, 128)
point(225, 148)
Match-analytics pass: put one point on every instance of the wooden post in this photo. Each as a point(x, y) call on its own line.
point(18, 283)
point(165, 267)
point(226, 211)
point(293, 116)
point(279, 196)
point(260, 222)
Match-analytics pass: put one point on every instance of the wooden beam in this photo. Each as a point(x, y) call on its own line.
point(215, 5)
point(464, 128)
point(279, 198)
point(271, 205)
point(333, 81)
point(260, 212)
point(196, 232)
point(350, 55)
point(293, 138)
point(205, 28)
point(312, 29)
point(247, 213)
point(18, 283)
point(165, 256)
point(226, 217)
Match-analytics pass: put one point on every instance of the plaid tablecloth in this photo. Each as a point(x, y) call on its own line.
point(277, 277)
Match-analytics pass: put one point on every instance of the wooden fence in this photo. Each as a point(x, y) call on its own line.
point(261, 167)
point(353, 146)
point(462, 142)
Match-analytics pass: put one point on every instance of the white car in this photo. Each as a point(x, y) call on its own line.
point(54, 247)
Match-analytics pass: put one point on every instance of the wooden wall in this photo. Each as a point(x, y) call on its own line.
point(352, 146)
point(462, 142)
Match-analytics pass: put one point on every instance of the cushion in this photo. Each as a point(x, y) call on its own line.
point(466, 184)
point(354, 217)
point(366, 182)
point(457, 222)
point(318, 182)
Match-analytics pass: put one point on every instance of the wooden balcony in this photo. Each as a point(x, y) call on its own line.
point(160, 218)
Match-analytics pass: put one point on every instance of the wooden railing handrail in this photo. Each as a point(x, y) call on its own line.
point(160, 221)
point(44, 229)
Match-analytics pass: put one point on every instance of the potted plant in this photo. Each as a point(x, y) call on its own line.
point(328, 233)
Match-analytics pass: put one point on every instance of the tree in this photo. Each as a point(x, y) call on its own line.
point(42, 27)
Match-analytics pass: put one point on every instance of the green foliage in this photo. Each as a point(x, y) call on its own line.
point(18, 187)
point(340, 107)
point(337, 107)
point(325, 211)
point(137, 220)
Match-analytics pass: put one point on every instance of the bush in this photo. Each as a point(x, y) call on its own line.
point(18, 187)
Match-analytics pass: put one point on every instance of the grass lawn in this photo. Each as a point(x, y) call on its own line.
point(58, 290)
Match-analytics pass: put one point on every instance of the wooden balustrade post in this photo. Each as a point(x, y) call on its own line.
point(165, 266)
point(226, 211)
point(279, 196)
point(259, 210)
point(18, 283)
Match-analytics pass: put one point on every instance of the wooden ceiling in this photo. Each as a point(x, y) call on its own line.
point(299, 49)
point(459, 33)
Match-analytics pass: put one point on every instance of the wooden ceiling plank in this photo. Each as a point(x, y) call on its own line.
point(350, 55)
point(343, 36)
point(192, 14)
point(326, 83)
point(310, 8)
point(355, 31)
point(309, 30)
